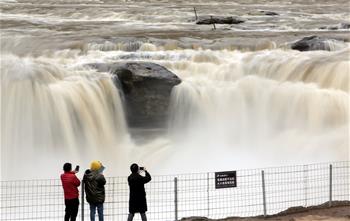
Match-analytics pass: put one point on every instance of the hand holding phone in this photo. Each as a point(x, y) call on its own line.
point(77, 169)
point(142, 168)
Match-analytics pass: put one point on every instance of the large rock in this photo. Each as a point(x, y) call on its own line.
point(146, 88)
point(207, 20)
point(313, 43)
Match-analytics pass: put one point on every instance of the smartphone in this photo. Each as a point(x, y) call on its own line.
point(142, 168)
point(77, 168)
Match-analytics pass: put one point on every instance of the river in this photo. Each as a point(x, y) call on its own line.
point(246, 99)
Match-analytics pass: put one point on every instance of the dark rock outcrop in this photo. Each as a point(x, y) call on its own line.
point(208, 20)
point(270, 13)
point(344, 26)
point(337, 27)
point(146, 87)
point(313, 43)
point(262, 12)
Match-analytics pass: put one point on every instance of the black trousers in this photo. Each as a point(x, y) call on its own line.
point(143, 216)
point(72, 206)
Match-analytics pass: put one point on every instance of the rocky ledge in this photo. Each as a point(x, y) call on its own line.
point(343, 26)
point(208, 20)
point(313, 43)
point(146, 88)
point(263, 12)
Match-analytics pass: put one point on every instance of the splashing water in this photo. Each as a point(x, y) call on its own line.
point(246, 99)
point(48, 110)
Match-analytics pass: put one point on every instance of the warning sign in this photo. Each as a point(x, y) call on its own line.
point(226, 179)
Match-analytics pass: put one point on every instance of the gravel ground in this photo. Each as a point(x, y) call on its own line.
point(339, 212)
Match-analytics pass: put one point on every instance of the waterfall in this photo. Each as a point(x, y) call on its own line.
point(251, 109)
point(233, 109)
point(53, 112)
point(244, 108)
point(326, 69)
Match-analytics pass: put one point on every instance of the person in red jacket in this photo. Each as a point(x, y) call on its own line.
point(70, 183)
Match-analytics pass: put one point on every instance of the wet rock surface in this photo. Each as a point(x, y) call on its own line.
point(146, 88)
point(312, 43)
point(342, 26)
point(263, 12)
point(207, 20)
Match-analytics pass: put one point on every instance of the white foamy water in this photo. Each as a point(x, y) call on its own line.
point(246, 99)
point(268, 103)
point(51, 112)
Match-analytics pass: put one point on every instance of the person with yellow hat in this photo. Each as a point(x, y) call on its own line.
point(95, 181)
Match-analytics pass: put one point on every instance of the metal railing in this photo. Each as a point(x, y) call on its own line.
point(258, 192)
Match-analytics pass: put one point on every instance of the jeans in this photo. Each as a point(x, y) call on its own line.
point(99, 207)
point(72, 206)
point(143, 216)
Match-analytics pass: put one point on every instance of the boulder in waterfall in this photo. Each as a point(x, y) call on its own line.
point(208, 20)
point(146, 87)
point(313, 43)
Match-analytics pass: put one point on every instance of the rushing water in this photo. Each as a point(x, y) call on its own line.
point(246, 100)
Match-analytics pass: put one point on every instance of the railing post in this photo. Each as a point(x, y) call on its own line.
point(330, 185)
point(306, 181)
point(208, 195)
point(175, 198)
point(82, 199)
point(263, 191)
point(113, 200)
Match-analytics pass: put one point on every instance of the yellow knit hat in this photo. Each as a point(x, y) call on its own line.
point(95, 165)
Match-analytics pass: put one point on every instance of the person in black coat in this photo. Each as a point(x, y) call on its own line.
point(137, 200)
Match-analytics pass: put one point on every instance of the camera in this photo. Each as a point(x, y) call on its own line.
point(142, 168)
point(77, 168)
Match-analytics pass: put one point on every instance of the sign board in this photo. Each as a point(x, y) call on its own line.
point(225, 179)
